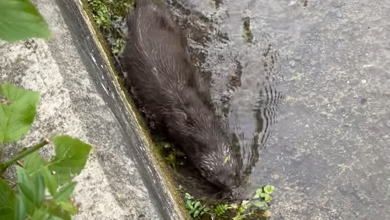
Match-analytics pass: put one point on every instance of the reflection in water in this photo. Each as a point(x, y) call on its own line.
point(244, 78)
point(253, 107)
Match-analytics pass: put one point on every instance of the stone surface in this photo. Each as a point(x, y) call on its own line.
point(79, 98)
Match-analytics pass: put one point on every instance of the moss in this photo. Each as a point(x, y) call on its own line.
point(110, 18)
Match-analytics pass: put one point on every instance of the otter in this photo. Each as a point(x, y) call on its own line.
point(163, 78)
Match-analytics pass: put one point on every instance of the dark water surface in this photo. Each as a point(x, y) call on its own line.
point(306, 91)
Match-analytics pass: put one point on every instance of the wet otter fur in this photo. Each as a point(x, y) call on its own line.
point(163, 78)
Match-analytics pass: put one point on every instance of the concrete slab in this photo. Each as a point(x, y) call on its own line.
point(81, 97)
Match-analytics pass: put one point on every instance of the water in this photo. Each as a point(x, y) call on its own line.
point(315, 120)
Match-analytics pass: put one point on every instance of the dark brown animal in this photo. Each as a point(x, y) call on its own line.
point(163, 78)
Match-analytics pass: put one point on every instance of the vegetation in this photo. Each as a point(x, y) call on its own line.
point(43, 188)
point(20, 20)
point(257, 206)
point(110, 17)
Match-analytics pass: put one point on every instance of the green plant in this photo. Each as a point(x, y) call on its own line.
point(259, 202)
point(43, 188)
point(195, 208)
point(265, 193)
point(37, 176)
point(20, 20)
point(110, 17)
point(220, 209)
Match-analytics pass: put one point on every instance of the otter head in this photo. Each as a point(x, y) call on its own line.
point(195, 127)
point(220, 167)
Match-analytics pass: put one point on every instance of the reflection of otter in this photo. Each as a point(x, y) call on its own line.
point(253, 108)
point(163, 78)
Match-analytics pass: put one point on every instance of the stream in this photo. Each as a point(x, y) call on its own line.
point(303, 87)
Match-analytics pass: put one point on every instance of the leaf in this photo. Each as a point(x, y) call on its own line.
point(269, 189)
point(39, 189)
point(56, 212)
point(68, 206)
point(25, 187)
point(31, 189)
point(196, 204)
point(71, 157)
point(263, 195)
point(52, 217)
point(187, 196)
point(33, 162)
point(189, 205)
point(20, 210)
point(258, 203)
point(7, 201)
point(196, 213)
point(49, 180)
point(258, 192)
point(65, 192)
point(17, 115)
point(40, 214)
point(20, 20)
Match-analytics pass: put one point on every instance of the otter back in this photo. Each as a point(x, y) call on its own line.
point(163, 79)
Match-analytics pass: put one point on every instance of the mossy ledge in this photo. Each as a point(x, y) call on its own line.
point(153, 154)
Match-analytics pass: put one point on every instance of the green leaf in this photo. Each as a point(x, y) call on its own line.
point(68, 206)
point(65, 192)
point(25, 188)
point(40, 214)
point(189, 204)
point(196, 213)
point(33, 162)
point(52, 217)
point(187, 196)
point(241, 209)
point(259, 204)
point(7, 201)
point(197, 204)
point(17, 115)
point(258, 192)
point(57, 212)
point(49, 180)
point(20, 20)
point(31, 189)
point(71, 157)
point(268, 199)
point(269, 189)
point(39, 189)
point(20, 211)
point(263, 195)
